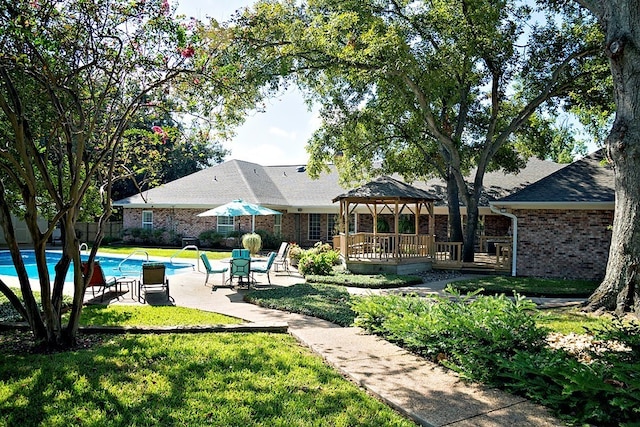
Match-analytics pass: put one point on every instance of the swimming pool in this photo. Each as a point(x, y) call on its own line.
point(111, 265)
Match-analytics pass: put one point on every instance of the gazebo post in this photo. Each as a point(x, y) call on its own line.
point(396, 226)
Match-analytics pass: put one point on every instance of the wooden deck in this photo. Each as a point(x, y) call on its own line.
point(407, 254)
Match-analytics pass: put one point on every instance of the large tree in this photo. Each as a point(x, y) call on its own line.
point(428, 88)
point(620, 290)
point(73, 73)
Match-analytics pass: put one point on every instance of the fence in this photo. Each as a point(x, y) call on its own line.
point(86, 231)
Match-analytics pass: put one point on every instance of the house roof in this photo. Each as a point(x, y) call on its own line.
point(286, 187)
point(588, 180)
point(273, 186)
point(386, 188)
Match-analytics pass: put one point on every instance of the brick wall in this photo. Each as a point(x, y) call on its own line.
point(563, 244)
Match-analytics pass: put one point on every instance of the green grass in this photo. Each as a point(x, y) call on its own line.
point(165, 253)
point(528, 286)
point(570, 320)
point(119, 315)
point(326, 302)
point(184, 379)
point(372, 281)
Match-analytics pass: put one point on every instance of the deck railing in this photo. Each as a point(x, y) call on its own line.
point(386, 246)
point(448, 253)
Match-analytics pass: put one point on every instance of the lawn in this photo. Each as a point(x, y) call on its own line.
point(220, 379)
point(528, 286)
point(164, 253)
point(228, 379)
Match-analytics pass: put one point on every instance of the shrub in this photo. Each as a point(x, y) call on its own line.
point(317, 263)
point(467, 334)
point(252, 242)
point(210, 238)
point(295, 253)
point(269, 240)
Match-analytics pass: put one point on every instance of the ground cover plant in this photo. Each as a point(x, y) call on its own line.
point(372, 281)
point(9, 314)
point(496, 340)
point(183, 379)
point(332, 303)
point(499, 340)
point(527, 286)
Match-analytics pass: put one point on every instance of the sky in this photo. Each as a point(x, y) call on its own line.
point(279, 135)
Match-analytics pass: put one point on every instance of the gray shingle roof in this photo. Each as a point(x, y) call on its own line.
point(290, 186)
point(386, 188)
point(588, 180)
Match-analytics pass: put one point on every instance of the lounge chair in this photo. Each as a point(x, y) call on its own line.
point(241, 268)
point(264, 268)
point(98, 279)
point(282, 258)
point(154, 280)
point(210, 269)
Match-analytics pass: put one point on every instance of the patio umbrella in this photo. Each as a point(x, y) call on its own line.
point(239, 207)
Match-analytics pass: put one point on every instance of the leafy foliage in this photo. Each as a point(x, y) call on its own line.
point(429, 88)
point(496, 340)
point(74, 76)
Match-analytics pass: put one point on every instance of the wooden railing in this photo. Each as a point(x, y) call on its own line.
point(386, 246)
point(449, 253)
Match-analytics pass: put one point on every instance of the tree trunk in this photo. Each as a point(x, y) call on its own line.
point(468, 249)
point(453, 204)
point(620, 290)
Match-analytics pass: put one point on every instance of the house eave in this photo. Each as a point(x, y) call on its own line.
point(553, 205)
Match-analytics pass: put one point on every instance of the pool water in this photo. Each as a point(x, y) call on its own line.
point(113, 266)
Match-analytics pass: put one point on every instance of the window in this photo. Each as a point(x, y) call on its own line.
point(314, 226)
point(225, 225)
point(277, 225)
point(332, 225)
point(147, 220)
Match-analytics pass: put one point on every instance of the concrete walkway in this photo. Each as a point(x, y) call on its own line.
point(423, 391)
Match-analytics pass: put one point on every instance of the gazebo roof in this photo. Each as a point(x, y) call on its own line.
point(386, 189)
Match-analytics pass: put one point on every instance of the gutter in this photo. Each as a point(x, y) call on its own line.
point(514, 251)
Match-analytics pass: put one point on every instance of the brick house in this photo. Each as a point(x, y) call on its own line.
point(309, 215)
point(562, 223)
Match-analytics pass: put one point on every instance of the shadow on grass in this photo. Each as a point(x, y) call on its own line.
point(211, 379)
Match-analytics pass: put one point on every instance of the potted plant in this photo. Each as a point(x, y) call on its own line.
point(295, 253)
point(252, 242)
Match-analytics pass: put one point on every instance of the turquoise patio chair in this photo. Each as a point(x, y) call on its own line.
point(264, 268)
point(241, 269)
point(240, 253)
point(210, 270)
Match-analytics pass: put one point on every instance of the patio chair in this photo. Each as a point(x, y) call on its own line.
point(210, 270)
point(154, 280)
point(240, 253)
point(98, 279)
point(264, 268)
point(241, 269)
point(282, 258)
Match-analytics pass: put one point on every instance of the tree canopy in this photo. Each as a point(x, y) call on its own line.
point(73, 75)
point(438, 88)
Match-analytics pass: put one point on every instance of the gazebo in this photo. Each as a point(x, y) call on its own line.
point(396, 249)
